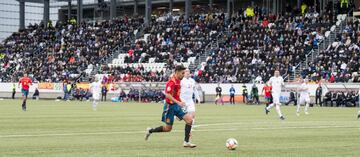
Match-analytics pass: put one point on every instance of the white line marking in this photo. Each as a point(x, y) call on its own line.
point(72, 134)
point(306, 127)
point(142, 132)
point(237, 123)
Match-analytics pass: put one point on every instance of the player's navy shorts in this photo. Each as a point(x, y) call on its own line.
point(170, 111)
point(25, 92)
point(268, 99)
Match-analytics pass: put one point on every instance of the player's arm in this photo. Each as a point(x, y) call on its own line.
point(182, 84)
point(169, 89)
point(169, 96)
point(270, 83)
point(282, 82)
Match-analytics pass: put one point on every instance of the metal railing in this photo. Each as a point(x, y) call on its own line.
point(209, 47)
point(311, 56)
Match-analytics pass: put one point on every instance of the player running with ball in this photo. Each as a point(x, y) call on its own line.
point(276, 83)
point(172, 107)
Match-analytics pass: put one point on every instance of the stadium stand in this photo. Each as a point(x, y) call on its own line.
point(278, 43)
point(64, 51)
point(340, 61)
point(216, 50)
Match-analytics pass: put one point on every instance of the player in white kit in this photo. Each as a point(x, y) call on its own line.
point(276, 82)
point(95, 88)
point(304, 96)
point(187, 91)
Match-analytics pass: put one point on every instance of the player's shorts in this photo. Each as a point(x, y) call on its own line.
point(276, 98)
point(96, 96)
point(190, 106)
point(170, 111)
point(268, 99)
point(25, 92)
point(304, 99)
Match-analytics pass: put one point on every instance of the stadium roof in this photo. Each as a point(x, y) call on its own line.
point(124, 2)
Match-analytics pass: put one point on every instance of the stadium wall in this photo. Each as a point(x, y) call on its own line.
point(53, 90)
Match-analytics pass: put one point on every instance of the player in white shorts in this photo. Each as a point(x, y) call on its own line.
point(187, 91)
point(304, 96)
point(276, 82)
point(95, 88)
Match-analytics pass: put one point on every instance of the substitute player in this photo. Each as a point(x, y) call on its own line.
point(304, 96)
point(172, 107)
point(95, 88)
point(25, 83)
point(276, 83)
point(188, 90)
point(267, 93)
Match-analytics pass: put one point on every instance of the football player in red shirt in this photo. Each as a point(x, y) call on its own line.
point(25, 83)
point(267, 89)
point(173, 107)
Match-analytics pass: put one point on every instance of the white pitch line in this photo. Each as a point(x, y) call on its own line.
point(72, 134)
point(142, 132)
point(306, 127)
point(102, 133)
point(237, 123)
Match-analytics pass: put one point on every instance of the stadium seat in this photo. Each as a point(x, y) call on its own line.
point(338, 23)
point(332, 29)
point(327, 33)
point(343, 17)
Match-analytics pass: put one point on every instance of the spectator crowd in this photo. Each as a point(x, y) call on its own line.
point(247, 47)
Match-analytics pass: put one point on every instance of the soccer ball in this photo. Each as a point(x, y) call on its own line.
point(231, 144)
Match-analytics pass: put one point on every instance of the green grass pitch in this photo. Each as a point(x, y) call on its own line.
point(52, 128)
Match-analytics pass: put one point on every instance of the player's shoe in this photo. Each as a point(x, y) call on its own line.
point(282, 118)
point(189, 145)
point(307, 113)
point(297, 114)
point(266, 111)
point(147, 133)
